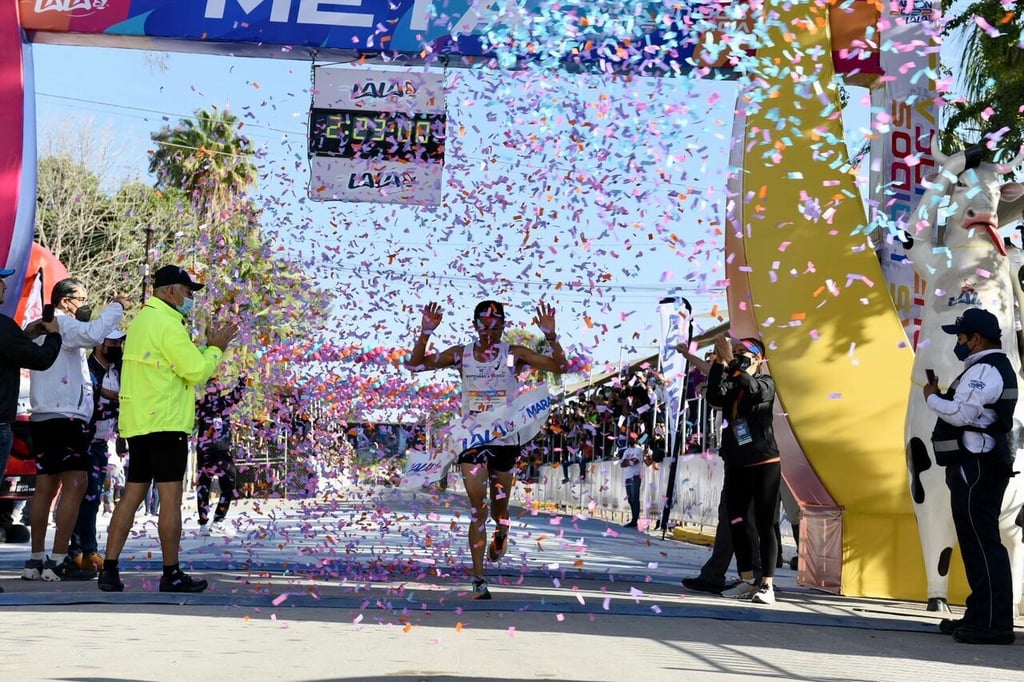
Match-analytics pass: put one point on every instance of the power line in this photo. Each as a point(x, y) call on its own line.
point(493, 160)
point(576, 287)
point(156, 111)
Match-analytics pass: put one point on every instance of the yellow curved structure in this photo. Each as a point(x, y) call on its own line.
point(817, 295)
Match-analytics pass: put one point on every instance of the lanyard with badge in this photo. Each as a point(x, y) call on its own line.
point(740, 428)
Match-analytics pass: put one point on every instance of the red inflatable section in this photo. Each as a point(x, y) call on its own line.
point(43, 271)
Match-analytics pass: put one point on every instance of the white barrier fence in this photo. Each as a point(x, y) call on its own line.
point(695, 502)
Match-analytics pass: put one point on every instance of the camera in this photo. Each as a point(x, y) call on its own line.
point(740, 363)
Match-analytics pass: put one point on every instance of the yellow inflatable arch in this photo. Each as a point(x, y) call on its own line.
point(803, 278)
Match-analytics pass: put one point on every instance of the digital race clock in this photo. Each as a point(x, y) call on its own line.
point(377, 135)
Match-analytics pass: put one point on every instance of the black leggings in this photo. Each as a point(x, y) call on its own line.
point(757, 485)
point(223, 468)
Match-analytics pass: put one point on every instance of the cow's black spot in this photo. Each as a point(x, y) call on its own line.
point(918, 461)
point(944, 559)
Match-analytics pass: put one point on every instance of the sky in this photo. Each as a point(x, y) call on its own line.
point(603, 246)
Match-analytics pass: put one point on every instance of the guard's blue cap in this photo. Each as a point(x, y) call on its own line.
point(975, 321)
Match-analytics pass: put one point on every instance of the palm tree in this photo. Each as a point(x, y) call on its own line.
point(208, 159)
point(991, 74)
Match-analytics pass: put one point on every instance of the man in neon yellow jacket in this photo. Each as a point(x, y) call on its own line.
point(162, 367)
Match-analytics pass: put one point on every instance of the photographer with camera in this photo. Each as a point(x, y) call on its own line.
point(753, 468)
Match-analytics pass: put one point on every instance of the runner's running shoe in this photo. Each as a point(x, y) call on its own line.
point(480, 590)
point(496, 550)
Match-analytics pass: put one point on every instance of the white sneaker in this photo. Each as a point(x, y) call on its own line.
point(221, 529)
point(33, 570)
point(743, 590)
point(204, 530)
point(765, 595)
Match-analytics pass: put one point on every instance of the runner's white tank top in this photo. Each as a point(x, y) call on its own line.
point(489, 384)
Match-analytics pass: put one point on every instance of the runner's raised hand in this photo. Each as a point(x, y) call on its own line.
point(431, 318)
point(545, 318)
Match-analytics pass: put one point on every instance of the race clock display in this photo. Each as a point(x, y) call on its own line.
point(377, 135)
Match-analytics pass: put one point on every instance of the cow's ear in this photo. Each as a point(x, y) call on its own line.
point(1011, 191)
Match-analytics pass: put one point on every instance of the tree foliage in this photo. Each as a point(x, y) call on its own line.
point(213, 165)
point(100, 235)
point(991, 76)
point(207, 158)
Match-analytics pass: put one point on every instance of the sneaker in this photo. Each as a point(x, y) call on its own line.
point(948, 626)
point(699, 584)
point(221, 529)
point(496, 550)
point(764, 595)
point(972, 634)
point(204, 530)
point(480, 590)
point(90, 562)
point(110, 580)
point(65, 570)
point(742, 590)
point(182, 582)
point(33, 570)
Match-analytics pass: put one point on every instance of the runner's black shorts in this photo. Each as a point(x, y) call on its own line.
point(159, 457)
point(61, 445)
point(496, 457)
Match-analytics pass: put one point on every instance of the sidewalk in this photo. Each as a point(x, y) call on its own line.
point(372, 587)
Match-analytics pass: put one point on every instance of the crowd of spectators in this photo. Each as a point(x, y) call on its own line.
point(595, 423)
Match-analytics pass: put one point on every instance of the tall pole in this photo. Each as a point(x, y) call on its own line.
point(676, 328)
point(145, 263)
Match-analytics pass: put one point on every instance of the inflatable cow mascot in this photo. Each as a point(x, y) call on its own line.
point(957, 249)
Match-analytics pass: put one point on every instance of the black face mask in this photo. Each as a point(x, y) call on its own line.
point(84, 313)
point(114, 354)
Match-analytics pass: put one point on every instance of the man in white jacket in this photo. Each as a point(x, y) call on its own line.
point(62, 407)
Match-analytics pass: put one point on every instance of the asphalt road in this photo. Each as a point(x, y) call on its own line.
point(370, 585)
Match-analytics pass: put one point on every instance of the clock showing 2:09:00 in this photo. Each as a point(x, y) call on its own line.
point(378, 135)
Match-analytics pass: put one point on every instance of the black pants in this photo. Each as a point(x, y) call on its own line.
point(716, 567)
point(976, 490)
point(757, 486)
point(215, 463)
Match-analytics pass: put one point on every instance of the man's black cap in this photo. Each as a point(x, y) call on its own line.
point(975, 321)
point(173, 274)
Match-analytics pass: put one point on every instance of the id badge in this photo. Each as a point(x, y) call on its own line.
point(742, 432)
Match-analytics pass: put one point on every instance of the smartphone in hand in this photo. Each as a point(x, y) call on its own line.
point(930, 373)
point(48, 312)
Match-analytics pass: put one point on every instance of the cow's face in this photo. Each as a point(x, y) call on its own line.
point(974, 212)
point(979, 201)
point(974, 207)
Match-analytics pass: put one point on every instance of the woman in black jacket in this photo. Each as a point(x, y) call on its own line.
point(753, 469)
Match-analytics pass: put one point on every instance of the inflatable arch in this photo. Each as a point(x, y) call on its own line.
point(838, 349)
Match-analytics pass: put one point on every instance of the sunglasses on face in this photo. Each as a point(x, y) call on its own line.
point(489, 323)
